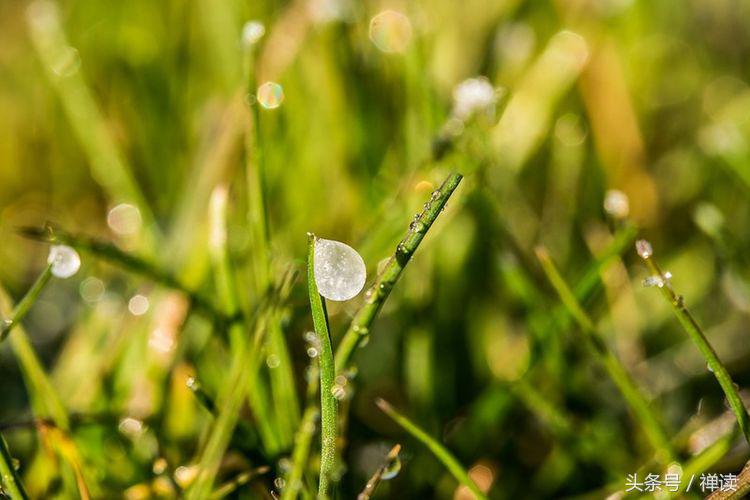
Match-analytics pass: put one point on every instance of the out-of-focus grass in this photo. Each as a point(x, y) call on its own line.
point(149, 107)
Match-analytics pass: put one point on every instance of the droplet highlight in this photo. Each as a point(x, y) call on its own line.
point(270, 95)
point(340, 272)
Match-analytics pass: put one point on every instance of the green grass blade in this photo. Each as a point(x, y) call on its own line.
point(9, 480)
point(328, 403)
point(694, 331)
point(635, 399)
point(441, 453)
point(380, 290)
point(377, 477)
point(26, 302)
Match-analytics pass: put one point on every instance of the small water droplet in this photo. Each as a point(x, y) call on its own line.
point(338, 392)
point(273, 361)
point(311, 337)
point(427, 206)
point(392, 469)
point(416, 227)
point(270, 95)
point(644, 249)
point(362, 330)
point(67, 62)
point(390, 31)
point(616, 204)
point(285, 464)
point(64, 260)
point(138, 305)
point(279, 483)
point(435, 195)
point(340, 271)
point(708, 366)
point(312, 352)
point(653, 281)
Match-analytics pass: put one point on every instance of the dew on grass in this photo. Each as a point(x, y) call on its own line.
point(340, 271)
point(390, 31)
point(184, 475)
point(644, 249)
point(312, 352)
point(391, 469)
point(64, 260)
point(338, 392)
point(279, 483)
point(67, 62)
point(652, 281)
point(273, 361)
point(270, 95)
point(138, 305)
point(252, 32)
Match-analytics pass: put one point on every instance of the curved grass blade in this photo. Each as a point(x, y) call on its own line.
point(437, 449)
point(26, 302)
point(694, 331)
point(9, 480)
point(328, 405)
point(634, 398)
point(381, 289)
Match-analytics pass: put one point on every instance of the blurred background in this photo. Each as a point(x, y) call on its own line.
point(572, 121)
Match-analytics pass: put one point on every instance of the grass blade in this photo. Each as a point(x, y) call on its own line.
point(381, 289)
point(374, 482)
point(634, 398)
point(328, 404)
point(440, 452)
point(9, 480)
point(26, 302)
point(694, 331)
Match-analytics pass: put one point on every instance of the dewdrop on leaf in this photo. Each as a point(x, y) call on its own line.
point(644, 249)
point(340, 272)
point(64, 260)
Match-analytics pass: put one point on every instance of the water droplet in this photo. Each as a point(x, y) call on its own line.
point(124, 219)
point(653, 281)
point(340, 272)
point(91, 290)
point(184, 475)
point(64, 260)
point(270, 95)
point(708, 367)
point(138, 305)
point(279, 483)
point(644, 249)
point(252, 31)
point(311, 337)
point(427, 206)
point(338, 392)
point(435, 195)
point(364, 340)
point(131, 427)
point(312, 352)
point(67, 62)
point(416, 227)
point(390, 31)
point(392, 469)
point(616, 204)
point(362, 330)
point(273, 361)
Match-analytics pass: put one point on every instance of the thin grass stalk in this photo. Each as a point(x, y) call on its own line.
point(286, 402)
point(441, 453)
point(9, 480)
point(634, 398)
point(303, 438)
point(695, 332)
point(28, 300)
point(374, 481)
point(106, 161)
point(328, 403)
point(743, 487)
point(380, 290)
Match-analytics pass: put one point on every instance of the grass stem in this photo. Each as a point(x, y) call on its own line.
point(634, 398)
point(26, 302)
point(9, 480)
point(694, 331)
point(441, 453)
point(328, 404)
point(380, 290)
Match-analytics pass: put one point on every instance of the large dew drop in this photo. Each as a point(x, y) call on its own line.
point(64, 261)
point(340, 272)
point(390, 31)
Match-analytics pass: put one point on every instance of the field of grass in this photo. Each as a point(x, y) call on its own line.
point(551, 200)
